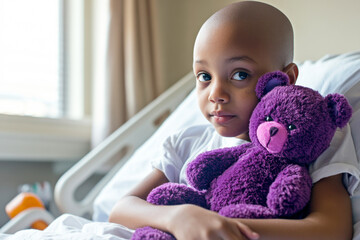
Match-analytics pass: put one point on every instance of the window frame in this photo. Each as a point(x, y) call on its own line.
point(43, 139)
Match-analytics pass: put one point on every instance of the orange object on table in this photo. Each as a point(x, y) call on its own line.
point(22, 202)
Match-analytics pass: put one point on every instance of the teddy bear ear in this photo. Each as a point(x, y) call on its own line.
point(339, 109)
point(269, 81)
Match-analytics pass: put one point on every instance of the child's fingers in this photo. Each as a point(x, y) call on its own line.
point(237, 230)
point(232, 236)
point(247, 231)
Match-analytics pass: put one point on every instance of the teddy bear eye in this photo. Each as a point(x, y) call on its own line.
point(291, 127)
point(268, 119)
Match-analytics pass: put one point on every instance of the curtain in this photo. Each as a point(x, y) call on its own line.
point(130, 81)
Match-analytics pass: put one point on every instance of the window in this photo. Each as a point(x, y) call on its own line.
point(44, 94)
point(31, 69)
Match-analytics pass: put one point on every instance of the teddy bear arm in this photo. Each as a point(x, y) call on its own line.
point(209, 165)
point(149, 233)
point(290, 192)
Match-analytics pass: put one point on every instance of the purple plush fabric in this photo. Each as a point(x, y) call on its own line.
point(267, 178)
point(175, 194)
point(268, 81)
point(149, 233)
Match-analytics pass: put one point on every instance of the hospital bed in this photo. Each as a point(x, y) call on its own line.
point(140, 138)
point(126, 140)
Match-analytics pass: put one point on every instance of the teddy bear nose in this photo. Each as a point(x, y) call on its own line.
point(273, 131)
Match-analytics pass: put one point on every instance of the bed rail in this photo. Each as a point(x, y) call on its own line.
point(129, 136)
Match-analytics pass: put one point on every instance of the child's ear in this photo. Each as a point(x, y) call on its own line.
point(292, 71)
point(269, 81)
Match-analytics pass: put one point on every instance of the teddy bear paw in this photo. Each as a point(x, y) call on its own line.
point(175, 194)
point(149, 233)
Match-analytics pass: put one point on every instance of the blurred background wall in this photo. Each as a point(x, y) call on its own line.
point(320, 27)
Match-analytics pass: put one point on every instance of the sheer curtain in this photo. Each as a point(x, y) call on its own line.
point(131, 77)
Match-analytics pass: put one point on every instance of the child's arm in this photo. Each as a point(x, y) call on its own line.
point(183, 221)
point(329, 218)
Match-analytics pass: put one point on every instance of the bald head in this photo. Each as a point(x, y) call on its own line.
point(254, 24)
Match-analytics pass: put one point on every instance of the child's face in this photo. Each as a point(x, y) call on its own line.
point(227, 63)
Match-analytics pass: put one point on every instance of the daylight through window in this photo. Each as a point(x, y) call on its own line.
point(31, 81)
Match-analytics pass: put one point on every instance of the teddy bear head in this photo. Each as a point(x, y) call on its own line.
point(295, 122)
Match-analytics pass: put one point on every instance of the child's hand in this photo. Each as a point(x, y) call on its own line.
point(189, 222)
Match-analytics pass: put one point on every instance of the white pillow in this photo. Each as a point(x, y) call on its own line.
point(336, 73)
point(333, 74)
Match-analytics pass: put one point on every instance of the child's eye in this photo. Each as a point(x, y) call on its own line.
point(204, 77)
point(240, 75)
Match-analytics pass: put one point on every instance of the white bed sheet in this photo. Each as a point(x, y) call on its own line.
point(72, 227)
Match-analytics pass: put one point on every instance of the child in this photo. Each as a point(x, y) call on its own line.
point(233, 49)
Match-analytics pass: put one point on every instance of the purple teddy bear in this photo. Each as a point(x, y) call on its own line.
point(268, 177)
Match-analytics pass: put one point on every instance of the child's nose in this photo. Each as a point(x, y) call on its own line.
point(218, 93)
